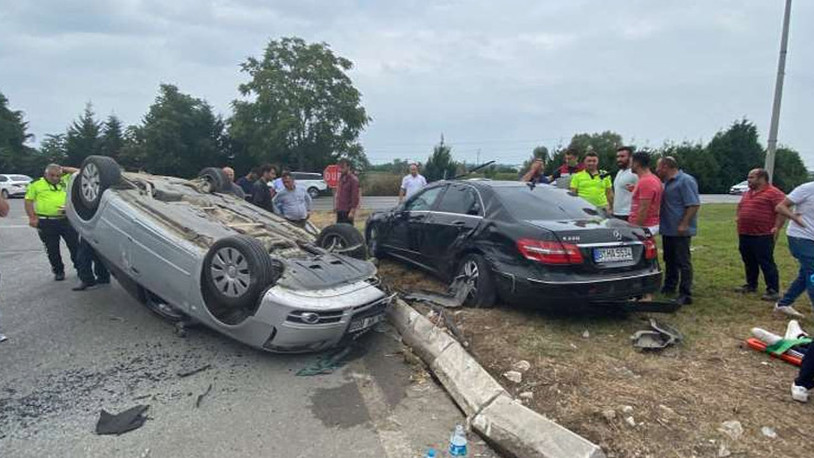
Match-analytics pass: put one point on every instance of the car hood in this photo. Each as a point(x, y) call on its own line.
point(324, 271)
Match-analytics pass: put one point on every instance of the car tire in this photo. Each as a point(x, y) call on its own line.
point(96, 175)
point(475, 269)
point(343, 239)
point(237, 270)
point(313, 192)
point(214, 180)
point(373, 242)
point(4, 193)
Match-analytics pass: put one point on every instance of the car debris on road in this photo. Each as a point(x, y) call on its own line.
point(130, 419)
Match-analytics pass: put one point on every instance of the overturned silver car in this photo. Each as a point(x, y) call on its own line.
point(191, 252)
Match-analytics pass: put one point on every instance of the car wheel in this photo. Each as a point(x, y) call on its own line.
point(476, 272)
point(4, 193)
point(313, 192)
point(96, 175)
point(343, 239)
point(237, 270)
point(214, 180)
point(373, 242)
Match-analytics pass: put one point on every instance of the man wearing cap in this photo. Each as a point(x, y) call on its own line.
point(411, 183)
point(45, 206)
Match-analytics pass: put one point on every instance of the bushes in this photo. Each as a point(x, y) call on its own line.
point(380, 184)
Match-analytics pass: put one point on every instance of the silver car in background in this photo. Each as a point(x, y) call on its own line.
point(13, 185)
point(191, 252)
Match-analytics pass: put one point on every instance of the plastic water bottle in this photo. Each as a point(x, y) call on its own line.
point(457, 443)
point(430, 453)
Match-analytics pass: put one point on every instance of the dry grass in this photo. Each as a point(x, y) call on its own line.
point(679, 397)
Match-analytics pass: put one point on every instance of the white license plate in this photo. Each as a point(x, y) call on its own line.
point(364, 323)
point(619, 254)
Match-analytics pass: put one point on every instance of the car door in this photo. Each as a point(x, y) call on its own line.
point(404, 237)
point(446, 229)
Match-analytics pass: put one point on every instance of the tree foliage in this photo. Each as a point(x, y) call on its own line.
point(180, 135)
point(789, 170)
point(440, 164)
point(299, 107)
point(112, 140)
point(736, 151)
point(82, 139)
point(14, 154)
point(604, 144)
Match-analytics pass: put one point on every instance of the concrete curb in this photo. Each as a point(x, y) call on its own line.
point(493, 412)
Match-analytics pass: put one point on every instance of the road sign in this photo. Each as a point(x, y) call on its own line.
point(331, 176)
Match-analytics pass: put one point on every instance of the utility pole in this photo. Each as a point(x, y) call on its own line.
point(778, 94)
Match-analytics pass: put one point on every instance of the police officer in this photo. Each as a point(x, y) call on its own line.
point(45, 206)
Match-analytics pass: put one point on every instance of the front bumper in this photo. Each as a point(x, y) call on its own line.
point(532, 291)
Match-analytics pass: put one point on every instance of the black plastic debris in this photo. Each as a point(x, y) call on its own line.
point(455, 296)
point(123, 422)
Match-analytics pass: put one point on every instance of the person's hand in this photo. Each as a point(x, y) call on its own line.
point(798, 218)
point(683, 229)
point(630, 187)
point(34, 222)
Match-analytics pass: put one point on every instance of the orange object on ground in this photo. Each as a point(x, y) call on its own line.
point(756, 344)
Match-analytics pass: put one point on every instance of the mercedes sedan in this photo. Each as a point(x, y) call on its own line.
point(518, 243)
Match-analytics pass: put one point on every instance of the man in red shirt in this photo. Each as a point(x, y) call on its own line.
point(758, 226)
point(347, 194)
point(645, 204)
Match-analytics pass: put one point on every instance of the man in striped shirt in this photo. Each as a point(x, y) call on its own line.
point(758, 226)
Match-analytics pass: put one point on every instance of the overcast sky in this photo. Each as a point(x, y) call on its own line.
point(499, 77)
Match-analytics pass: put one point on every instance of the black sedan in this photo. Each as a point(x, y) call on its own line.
point(518, 242)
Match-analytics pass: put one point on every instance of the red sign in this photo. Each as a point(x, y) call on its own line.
point(331, 176)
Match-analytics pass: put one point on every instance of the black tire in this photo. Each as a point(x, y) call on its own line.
point(343, 239)
point(313, 192)
point(373, 241)
point(4, 193)
point(96, 175)
point(214, 180)
point(476, 270)
point(236, 271)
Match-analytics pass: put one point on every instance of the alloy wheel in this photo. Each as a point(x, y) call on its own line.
point(230, 272)
point(90, 182)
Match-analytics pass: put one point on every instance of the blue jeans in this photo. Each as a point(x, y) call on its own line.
point(803, 251)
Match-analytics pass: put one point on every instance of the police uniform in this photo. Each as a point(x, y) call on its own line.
point(49, 202)
point(592, 188)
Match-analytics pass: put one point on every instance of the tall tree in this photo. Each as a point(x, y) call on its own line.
point(694, 159)
point(440, 165)
point(53, 148)
point(180, 135)
point(112, 140)
point(299, 107)
point(604, 144)
point(13, 137)
point(789, 170)
point(83, 137)
point(736, 151)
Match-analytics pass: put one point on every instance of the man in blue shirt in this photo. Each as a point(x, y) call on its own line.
point(678, 224)
point(293, 203)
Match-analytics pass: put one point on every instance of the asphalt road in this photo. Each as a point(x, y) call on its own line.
point(70, 354)
point(386, 202)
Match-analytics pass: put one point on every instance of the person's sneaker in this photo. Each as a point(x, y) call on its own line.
point(787, 310)
point(684, 300)
point(770, 296)
point(3, 337)
point(745, 289)
point(59, 276)
point(799, 393)
point(794, 331)
point(83, 286)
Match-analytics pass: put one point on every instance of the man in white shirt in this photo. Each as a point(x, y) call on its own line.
point(412, 183)
point(623, 184)
point(801, 244)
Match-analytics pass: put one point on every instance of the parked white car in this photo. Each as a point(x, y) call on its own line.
point(312, 182)
point(13, 185)
point(739, 188)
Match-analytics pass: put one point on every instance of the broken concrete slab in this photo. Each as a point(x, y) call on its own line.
point(521, 431)
point(426, 339)
point(467, 381)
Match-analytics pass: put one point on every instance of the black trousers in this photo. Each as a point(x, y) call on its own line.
point(805, 377)
point(50, 230)
point(677, 264)
point(757, 252)
point(88, 266)
point(343, 217)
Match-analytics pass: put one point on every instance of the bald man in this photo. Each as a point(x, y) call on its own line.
point(236, 190)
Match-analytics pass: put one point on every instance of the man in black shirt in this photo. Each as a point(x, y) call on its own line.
point(246, 183)
point(261, 192)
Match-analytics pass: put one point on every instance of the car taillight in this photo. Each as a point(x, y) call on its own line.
point(650, 250)
point(549, 252)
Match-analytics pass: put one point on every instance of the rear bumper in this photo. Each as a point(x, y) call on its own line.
point(531, 291)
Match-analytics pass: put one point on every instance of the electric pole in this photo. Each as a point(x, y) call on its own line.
point(778, 94)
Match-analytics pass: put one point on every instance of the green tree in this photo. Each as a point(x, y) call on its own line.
point(736, 151)
point(299, 107)
point(440, 165)
point(112, 140)
point(539, 152)
point(180, 135)
point(603, 144)
point(53, 148)
point(694, 159)
point(14, 154)
point(789, 170)
point(83, 137)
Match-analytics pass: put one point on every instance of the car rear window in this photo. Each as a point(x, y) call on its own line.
point(544, 203)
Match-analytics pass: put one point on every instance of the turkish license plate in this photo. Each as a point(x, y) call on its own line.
point(617, 254)
point(363, 323)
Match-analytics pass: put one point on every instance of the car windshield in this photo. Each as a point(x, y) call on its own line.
point(528, 203)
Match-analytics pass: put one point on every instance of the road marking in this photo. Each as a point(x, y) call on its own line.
point(392, 438)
